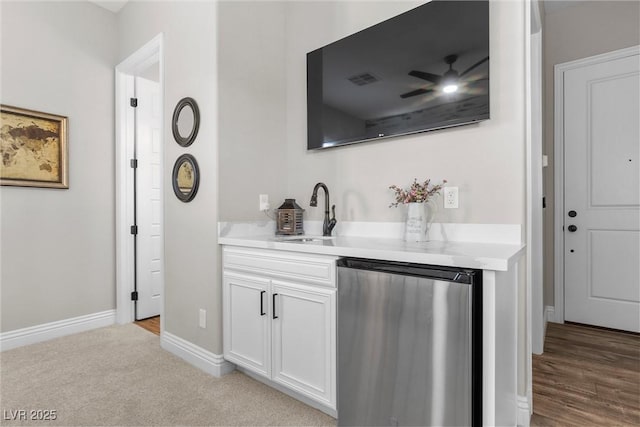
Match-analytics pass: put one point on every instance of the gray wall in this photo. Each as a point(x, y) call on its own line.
point(58, 246)
point(586, 29)
point(486, 161)
point(480, 159)
point(252, 96)
point(192, 277)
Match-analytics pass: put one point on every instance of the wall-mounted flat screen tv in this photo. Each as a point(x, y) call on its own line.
point(422, 70)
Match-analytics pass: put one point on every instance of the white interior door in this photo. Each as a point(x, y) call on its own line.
point(602, 187)
point(148, 198)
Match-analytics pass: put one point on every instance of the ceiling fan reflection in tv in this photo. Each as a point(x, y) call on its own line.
point(448, 82)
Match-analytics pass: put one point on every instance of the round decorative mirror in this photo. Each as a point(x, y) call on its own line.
point(186, 121)
point(186, 177)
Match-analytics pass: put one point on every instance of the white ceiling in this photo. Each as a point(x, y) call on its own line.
point(111, 5)
point(550, 6)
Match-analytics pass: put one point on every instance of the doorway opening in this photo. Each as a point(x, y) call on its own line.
point(151, 324)
point(139, 185)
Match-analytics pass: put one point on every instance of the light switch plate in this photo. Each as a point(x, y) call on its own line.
point(264, 202)
point(451, 197)
point(203, 318)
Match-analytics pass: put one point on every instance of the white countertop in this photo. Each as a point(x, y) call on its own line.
point(486, 256)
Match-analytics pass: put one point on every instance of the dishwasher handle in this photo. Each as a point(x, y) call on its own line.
point(449, 274)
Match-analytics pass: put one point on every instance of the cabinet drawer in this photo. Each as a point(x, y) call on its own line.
point(315, 269)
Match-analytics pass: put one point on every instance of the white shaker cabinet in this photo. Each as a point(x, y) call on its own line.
point(304, 339)
point(279, 319)
point(247, 335)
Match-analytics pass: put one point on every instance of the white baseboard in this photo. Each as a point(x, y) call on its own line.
point(524, 411)
point(211, 363)
point(550, 314)
point(47, 331)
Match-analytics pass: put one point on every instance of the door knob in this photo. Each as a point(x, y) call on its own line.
point(572, 214)
point(573, 228)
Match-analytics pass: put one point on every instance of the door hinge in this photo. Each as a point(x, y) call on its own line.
point(544, 202)
point(134, 163)
point(134, 229)
point(134, 296)
point(133, 102)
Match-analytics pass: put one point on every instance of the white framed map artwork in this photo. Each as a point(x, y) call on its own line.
point(33, 149)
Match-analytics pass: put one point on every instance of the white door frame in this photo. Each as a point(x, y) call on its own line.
point(152, 52)
point(533, 228)
point(535, 190)
point(558, 245)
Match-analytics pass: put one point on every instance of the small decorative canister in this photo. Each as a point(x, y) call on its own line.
point(289, 218)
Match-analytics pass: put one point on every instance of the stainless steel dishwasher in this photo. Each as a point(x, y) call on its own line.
point(409, 344)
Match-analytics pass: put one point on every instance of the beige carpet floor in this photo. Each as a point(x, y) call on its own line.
point(120, 376)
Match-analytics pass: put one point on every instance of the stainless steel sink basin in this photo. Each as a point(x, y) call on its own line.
point(305, 239)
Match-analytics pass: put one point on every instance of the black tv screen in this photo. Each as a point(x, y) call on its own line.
point(422, 70)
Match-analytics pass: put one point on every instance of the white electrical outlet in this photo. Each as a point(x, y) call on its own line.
point(451, 197)
point(264, 202)
point(203, 318)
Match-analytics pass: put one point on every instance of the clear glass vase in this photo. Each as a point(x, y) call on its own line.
point(419, 219)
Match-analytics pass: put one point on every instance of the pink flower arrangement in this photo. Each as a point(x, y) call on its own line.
point(417, 193)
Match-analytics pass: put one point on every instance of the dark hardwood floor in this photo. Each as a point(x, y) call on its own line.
point(152, 324)
point(587, 377)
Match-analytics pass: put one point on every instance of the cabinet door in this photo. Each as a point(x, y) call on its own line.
point(304, 339)
point(246, 322)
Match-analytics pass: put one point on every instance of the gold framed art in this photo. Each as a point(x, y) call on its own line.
point(33, 148)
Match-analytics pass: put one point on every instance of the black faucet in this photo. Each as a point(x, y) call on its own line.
point(328, 224)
